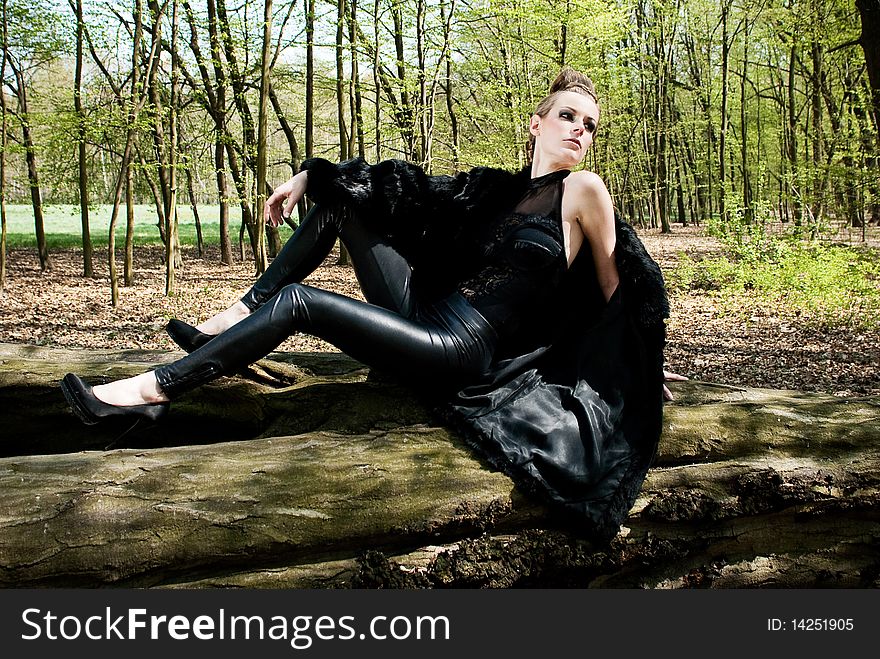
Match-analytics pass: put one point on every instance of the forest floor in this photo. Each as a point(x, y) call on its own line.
point(741, 341)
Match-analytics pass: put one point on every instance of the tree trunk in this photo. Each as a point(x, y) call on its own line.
point(220, 132)
point(354, 90)
point(156, 194)
point(32, 171)
point(135, 101)
point(310, 78)
point(377, 110)
point(223, 193)
point(248, 141)
point(725, 94)
point(748, 205)
point(295, 155)
point(794, 189)
point(172, 246)
point(88, 268)
point(299, 473)
point(128, 263)
point(422, 106)
point(344, 140)
point(661, 128)
point(403, 110)
point(450, 104)
point(818, 125)
point(869, 10)
point(3, 139)
point(262, 138)
point(200, 243)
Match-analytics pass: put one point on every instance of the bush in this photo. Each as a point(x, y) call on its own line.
point(831, 284)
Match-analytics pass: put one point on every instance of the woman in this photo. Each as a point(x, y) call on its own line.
point(472, 283)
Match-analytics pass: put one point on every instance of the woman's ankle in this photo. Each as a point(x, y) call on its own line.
point(222, 321)
point(141, 389)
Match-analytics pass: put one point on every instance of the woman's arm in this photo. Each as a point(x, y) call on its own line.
point(390, 187)
point(591, 205)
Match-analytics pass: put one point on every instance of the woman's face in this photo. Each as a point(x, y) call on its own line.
point(566, 132)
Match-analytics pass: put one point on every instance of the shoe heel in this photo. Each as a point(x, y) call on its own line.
point(145, 425)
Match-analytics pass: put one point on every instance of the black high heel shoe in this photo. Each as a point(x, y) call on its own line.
point(187, 336)
point(91, 410)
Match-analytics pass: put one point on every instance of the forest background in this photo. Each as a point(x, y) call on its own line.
point(752, 123)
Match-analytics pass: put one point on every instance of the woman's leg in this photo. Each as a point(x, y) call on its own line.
point(384, 275)
point(451, 345)
point(301, 255)
point(303, 252)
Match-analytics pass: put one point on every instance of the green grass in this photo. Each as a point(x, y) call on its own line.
point(833, 284)
point(62, 225)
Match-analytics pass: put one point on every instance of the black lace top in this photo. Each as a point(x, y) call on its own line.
point(523, 257)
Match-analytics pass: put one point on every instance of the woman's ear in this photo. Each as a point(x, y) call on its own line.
point(535, 125)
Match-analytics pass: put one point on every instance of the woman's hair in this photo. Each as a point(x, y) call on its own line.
point(568, 80)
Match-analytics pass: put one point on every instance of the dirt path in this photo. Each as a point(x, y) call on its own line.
point(758, 346)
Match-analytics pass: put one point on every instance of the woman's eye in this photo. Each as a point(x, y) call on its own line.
point(567, 115)
point(591, 127)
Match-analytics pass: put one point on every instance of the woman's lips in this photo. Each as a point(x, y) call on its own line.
point(572, 140)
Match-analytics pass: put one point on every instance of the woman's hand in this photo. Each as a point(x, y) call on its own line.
point(671, 377)
point(290, 192)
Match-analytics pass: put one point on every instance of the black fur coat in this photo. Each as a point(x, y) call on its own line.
point(576, 417)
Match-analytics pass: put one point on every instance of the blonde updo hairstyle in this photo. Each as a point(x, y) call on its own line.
point(568, 80)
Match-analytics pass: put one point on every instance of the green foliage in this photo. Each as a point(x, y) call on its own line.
point(37, 33)
point(826, 283)
point(744, 233)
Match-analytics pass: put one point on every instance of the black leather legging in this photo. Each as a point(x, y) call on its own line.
point(440, 342)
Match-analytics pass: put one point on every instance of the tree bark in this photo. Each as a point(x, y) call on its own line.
point(344, 139)
point(172, 246)
point(262, 145)
point(354, 92)
point(30, 153)
point(869, 11)
point(136, 100)
point(447, 87)
point(309, 6)
point(220, 131)
point(3, 141)
point(128, 262)
point(306, 472)
point(239, 85)
point(190, 188)
point(88, 268)
point(725, 95)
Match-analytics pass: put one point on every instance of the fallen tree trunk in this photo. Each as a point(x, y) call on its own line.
point(307, 473)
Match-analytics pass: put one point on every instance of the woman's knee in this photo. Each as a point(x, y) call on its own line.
point(292, 295)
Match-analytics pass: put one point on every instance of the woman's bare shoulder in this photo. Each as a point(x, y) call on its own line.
point(585, 183)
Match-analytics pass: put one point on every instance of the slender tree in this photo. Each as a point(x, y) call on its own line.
point(137, 97)
point(5, 55)
point(869, 11)
point(20, 89)
point(447, 86)
point(377, 98)
point(354, 93)
point(171, 226)
point(310, 77)
point(88, 270)
point(262, 131)
point(344, 140)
